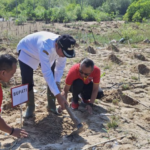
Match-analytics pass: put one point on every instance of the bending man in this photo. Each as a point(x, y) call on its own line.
point(50, 51)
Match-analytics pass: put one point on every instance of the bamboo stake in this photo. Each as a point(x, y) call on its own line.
point(104, 142)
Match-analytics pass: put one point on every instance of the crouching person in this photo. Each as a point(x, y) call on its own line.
point(83, 81)
point(8, 65)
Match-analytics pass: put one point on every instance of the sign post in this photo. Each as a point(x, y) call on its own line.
point(21, 116)
point(19, 96)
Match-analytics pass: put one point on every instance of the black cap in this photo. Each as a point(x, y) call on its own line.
point(67, 44)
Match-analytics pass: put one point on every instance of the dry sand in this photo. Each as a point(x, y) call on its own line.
point(129, 106)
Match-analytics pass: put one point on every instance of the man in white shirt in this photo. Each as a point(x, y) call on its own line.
point(50, 51)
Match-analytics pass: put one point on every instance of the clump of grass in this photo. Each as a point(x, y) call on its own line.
point(76, 60)
point(125, 86)
point(103, 74)
point(113, 123)
point(148, 141)
point(115, 101)
point(134, 78)
point(111, 109)
point(96, 101)
point(107, 67)
point(134, 46)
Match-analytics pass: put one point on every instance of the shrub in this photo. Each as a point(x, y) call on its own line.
point(104, 16)
point(88, 14)
point(78, 12)
point(21, 19)
point(138, 10)
point(128, 33)
point(40, 12)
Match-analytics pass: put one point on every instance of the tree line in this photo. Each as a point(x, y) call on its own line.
point(71, 10)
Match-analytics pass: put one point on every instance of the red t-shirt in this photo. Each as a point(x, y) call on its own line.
point(74, 74)
point(1, 96)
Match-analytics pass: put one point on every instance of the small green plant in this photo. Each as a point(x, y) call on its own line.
point(103, 74)
point(125, 86)
point(76, 60)
point(21, 19)
point(115, 101)
point(107, 131)
point(113, 123)
point(134, 46)
point(134, 78)
point(96, 101)
point(129, 33)
point(107, 67)
point(148, 141)
point(110, 109)
point(115, 118)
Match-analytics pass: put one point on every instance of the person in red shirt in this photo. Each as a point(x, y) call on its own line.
point(83, 81)
point(8, 65)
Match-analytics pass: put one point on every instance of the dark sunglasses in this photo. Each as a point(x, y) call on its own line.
point(86, 74)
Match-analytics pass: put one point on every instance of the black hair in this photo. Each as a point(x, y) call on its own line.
point(87, 62)
point(6, 61)
point(57, 41)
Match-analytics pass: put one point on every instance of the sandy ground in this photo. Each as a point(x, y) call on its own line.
point(120, 120)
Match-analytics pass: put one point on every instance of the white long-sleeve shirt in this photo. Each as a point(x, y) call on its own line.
point(40, 48)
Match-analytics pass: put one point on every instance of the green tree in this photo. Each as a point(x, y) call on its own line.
point(116, 6)
point(95, 3)
point(138, 10)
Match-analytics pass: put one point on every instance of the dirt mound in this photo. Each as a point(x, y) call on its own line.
point(48, 128)
point(111, 95)
point(76, 45)
point(91, 50)
point(83, 41)
point(112, 47)
point(146, 117)
point(7, 105)
point(141, 68)
point(128, 100)
point(2, 48)
point(35, 31)
point(26, 146)
point(114, 59)
point(139, 56)
point(97, 43)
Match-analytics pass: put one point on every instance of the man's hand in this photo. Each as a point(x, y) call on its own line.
point(14, 132)
point(62, 101)
point(20, 133)
point(89, 109)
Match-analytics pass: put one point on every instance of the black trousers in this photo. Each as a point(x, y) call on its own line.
point(78, 87)
point(27, 74)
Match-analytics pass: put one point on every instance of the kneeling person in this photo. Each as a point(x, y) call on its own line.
point(83, 81)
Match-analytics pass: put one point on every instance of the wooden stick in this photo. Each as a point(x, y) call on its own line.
point(21, 116)
point(104, 142)
point(93, 36)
